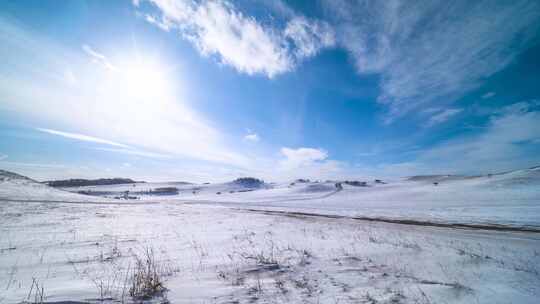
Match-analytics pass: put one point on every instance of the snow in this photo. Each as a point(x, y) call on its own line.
point(17, 187)
point(511, 199)
point(215, 249)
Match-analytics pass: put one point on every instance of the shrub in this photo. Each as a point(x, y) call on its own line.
point(249, 182)
point(147, 277)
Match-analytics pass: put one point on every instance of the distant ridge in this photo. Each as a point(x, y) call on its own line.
point(12, 175)
point(79, 182)
point(458, 176)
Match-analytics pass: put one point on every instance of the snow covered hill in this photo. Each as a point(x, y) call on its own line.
point(509, 198)
point(17, 187)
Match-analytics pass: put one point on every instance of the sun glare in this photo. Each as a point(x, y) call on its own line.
point(145, 81)
point(142, 89)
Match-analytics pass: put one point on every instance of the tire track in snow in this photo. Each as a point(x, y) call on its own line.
point(472, 226)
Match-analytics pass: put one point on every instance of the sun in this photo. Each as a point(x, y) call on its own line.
point(145, 81)
point(141, 88)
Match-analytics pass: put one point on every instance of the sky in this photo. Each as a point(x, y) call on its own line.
point(202, 91)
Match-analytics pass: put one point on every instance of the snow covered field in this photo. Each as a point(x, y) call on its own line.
point(511, 198)
point(214, 248)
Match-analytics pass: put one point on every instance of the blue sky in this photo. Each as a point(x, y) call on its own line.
point(212, 90)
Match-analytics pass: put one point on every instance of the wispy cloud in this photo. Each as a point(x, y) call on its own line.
point(432, 52)
point(253, 137)
point(499, 147)
point(135, 152)
point(3, 156)
point(98, 57)
point(162, 24)
point(442, 116)
point(219, 28)
point(82, 137)
point(510, 140)
point(10, 164)
point(309, 36)
point(488, 95)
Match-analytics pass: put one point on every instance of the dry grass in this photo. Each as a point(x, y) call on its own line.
point(147, 278)
point(36, 295)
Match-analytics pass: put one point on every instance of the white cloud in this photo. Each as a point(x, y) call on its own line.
point(296, 158)
point(442, 116)
point(488, 95)
point(135, 152)
point(498, 148)
point(162, 24)
point(293, 163)
point(3, 156)
point(509, 141)
point(432, 52)
point(82, 137)
point(253, 137)
point(98, 57)
point(93, 53)
point(279, 7)
point(216, 27)
point(309, 36)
